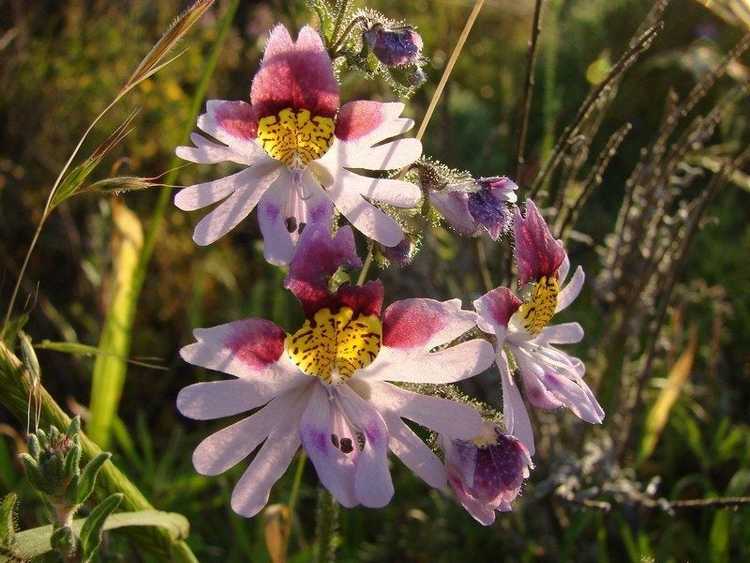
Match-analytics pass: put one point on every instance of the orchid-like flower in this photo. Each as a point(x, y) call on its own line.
point(486, 473)
point(551, 377)
point(298, 148)
point(476, 205)
point(329, 385)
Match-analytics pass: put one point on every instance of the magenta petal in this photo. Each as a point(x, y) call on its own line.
point(297, 75)
point(424, 323)
point(537, 252)
point(495, 308)
point(317, 257)
point(358, 118)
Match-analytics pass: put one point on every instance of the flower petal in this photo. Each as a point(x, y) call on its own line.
point(394, 192)
point(454, 207)
point(537, 252)
point(515, 415)
point(319, 254)
point(367, 218)
point(413, 452)
point(495, 308)
point(202, 195)
point(571, 291)
point(425, 323)
point(372, 478)
point(251, 493)
point(297, 75)
point(217, 399)
point(227, 447)
point(209, 152)
point(565, 333)
point(335, 470)
point(450, 365)
point(283, 206)
point(440, 415)
point(365, 123)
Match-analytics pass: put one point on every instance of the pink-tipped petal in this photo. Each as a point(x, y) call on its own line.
point(229, 121)
point(296, 75)
point(450, 365)
point(425, 323)
point(372, 478)
point(439, 415)
point(335, 469)
point(571, 291)
point(495, 308)
point(515, 415)
point(413, 452)
point(227, 447)
point(537, 252)
point(319, 254)
point(251, 493)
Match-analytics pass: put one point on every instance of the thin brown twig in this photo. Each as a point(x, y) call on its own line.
point(536, 30)
point(660, 503)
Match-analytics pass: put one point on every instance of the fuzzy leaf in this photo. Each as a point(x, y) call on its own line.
point(91, 531)
point(7, 520)
point(88, 477)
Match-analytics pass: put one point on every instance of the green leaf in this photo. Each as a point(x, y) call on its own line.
point(33, 474)
point(72, 462)
point(8, 520)
point(87, 479)
point(36, 542)
point(91, 531)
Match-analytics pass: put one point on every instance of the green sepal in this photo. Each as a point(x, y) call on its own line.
point(91, 531)
point(87, 479)
point(73, 428)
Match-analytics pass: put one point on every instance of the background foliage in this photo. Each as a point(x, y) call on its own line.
point(60, 64)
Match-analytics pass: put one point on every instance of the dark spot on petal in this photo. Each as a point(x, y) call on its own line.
point(291, 224)
point(346, 445)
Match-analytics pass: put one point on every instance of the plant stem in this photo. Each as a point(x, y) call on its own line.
point(17, 384)
point(325, 530)
point(536, 29)
point(294, 495)
point(368, 262)
point(449, 67)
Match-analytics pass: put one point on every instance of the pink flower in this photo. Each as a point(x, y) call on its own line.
point(486, 473)
point(329, 385)
point(551, 377)
point(297, 148)
point(538, 254)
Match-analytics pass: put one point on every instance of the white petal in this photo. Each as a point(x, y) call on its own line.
point(388, 156)
point(227, 447)
point(446, 366)
point(372, 478)
point(565, 333)
point(394, 192)
point(413, 452)
point(515, 415)
point(216, 399)
point(440, 415)
point(235, 208)
point(205, 194)
point(571, 291)
point(251, 493)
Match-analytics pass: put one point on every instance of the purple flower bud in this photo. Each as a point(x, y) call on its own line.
point(488, 206)
point(401, 254)
point(394, 46)
point(487, 473)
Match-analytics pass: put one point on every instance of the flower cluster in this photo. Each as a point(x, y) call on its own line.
point(343, 385)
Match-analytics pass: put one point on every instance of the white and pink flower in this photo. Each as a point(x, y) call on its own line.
point(298, 148)
point(551, 377)
point(330, 385)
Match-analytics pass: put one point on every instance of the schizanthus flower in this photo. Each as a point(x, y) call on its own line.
point(486, 473)
point(298, 147)
point(329, 385)
point(551, 377)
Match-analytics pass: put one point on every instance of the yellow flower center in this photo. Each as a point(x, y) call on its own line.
point(539, 309)
point(296, 138)
point(333, 346)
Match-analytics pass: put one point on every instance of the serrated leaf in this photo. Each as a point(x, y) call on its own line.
point(91, 531)
point(87, 479)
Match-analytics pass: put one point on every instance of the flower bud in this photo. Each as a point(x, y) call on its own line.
point(486, 473)
point(394, 46)
point(489, 204)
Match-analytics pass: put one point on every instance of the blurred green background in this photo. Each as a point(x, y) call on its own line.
point(62, 61)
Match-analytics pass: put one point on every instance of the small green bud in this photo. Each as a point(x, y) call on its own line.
point(33, 473)
point(63, 541)
point(35, 449)
point(30, 361)
point(74, 428)
point(72, 462)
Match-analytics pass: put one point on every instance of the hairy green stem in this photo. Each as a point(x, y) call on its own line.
point(326, 526)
